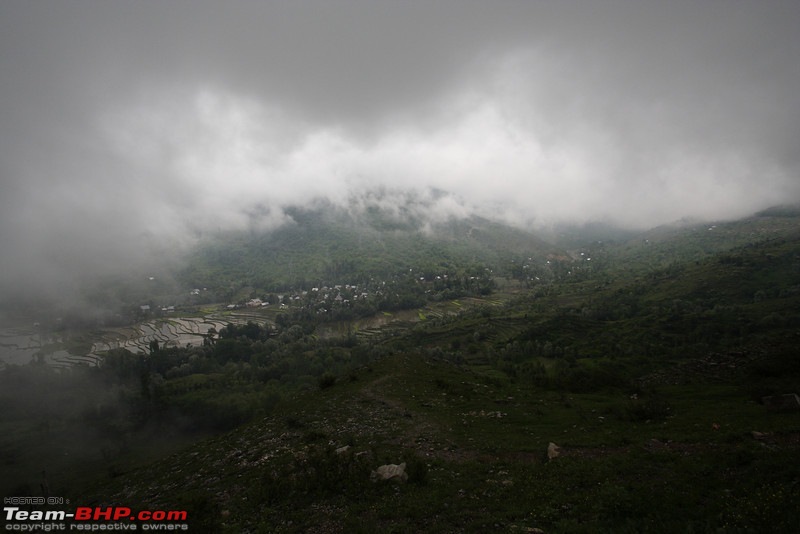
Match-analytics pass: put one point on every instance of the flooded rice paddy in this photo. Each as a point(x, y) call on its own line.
point(21, 345)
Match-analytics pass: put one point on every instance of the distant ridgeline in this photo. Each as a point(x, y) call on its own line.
point(786, 210)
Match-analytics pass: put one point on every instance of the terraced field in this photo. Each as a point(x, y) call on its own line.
point(168, 332)
point(19, 345)
point(437, 315)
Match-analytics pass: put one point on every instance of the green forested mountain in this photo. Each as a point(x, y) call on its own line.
point(331, 245)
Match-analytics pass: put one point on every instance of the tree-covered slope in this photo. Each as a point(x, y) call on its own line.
point(331, 245)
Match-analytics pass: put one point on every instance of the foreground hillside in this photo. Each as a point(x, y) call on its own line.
point(476, 456)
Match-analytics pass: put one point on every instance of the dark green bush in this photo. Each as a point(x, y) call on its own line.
point(326, 380)
point(650, 408)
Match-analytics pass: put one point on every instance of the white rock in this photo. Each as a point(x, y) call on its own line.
point(393, 472)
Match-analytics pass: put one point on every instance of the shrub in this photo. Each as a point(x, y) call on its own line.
point(648, 409)
point(326, 380)
point(318, 473)
point(416, 469)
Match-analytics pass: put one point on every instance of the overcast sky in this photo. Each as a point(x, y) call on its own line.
point(141, 123)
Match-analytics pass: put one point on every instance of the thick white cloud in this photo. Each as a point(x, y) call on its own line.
point(215, 159)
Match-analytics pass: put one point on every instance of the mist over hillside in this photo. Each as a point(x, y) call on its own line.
point(380, 232)
point(327, 241)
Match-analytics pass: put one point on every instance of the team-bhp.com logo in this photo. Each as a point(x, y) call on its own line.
point(93, 519)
